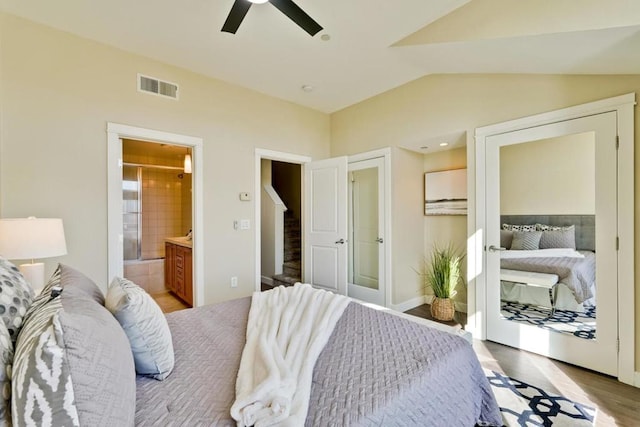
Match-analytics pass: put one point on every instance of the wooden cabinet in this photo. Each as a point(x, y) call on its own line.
point(178, 276)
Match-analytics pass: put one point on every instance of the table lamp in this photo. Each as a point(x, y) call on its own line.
point(32, 238)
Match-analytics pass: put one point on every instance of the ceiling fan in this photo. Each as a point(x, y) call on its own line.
point(241, 7)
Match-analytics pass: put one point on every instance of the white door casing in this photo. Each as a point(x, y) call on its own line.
point(599, 354)
point(115, 133)
point(325, 224)
point(366, 280)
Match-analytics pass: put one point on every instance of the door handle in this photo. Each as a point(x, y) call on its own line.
point(340, 242)
point(379, 240)
point(496, 249)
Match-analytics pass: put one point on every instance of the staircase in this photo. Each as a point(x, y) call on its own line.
point(292, 249)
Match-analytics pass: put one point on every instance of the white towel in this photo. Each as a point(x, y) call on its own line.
point(286, 331)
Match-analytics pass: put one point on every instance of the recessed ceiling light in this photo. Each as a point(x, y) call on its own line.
point(444, 144)
point(258, 1)
point(325, 37)
point(307, 88)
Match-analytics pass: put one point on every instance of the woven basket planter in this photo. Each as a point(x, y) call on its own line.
point(442, 308)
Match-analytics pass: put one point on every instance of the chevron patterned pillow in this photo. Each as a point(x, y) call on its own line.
point(526, 240)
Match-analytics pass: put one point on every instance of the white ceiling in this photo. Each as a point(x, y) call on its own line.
point(274, 56)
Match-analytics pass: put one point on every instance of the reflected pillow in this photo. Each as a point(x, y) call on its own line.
point(526, 240)
point(519, 227)
point(545, 227)
point(558, 239)
point(506, 238)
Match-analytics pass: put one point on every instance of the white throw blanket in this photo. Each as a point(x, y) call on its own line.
point(286, 331)
point(542, 253)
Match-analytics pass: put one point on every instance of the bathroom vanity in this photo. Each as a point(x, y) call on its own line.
point(178, 265)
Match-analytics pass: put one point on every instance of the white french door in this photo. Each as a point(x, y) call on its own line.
point(599, 354)
point(325, 224)
point(366, 275)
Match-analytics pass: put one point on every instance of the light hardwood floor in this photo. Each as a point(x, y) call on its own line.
point(618, 404)
point(169, 302)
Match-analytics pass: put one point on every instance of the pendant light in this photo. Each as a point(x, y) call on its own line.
point(187, 163)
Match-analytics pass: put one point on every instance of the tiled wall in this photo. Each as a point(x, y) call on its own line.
point(161, 210)
point(149, 275)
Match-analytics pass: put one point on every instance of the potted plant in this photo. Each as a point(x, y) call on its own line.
point(442, 274)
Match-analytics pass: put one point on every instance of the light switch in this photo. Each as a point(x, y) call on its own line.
point(245, 197)
point(245, 224)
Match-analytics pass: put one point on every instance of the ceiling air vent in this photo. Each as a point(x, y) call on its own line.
point(158, 87)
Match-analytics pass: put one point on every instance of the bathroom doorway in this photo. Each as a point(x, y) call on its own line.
point(157, 220)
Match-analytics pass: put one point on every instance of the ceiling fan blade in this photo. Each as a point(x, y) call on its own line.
point(297, 15)
point(236, 15)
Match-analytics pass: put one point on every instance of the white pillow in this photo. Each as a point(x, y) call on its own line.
point(145, 326)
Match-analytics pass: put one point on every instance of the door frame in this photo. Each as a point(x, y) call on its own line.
point(115, 133)
point(278, 156)
point(624, 107)
point(384, 153)
point(301, 159)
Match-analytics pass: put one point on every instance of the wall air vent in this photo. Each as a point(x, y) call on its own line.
point(158, 87)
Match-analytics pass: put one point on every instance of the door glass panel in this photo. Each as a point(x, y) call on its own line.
point(363, 218)
point(548, 234)
point(131, 211)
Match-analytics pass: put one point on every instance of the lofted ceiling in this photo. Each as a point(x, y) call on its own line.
point(373, 46)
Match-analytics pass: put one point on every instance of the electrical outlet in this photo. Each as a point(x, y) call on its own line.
point(234, 282)
point(245, 224)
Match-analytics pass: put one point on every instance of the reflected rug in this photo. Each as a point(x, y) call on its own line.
point(581, 325)
point(522, 404)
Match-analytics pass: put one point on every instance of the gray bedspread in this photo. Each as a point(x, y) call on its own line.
point(579, 274)
point(376, 370)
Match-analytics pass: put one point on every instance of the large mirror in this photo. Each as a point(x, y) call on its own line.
point(547, 234)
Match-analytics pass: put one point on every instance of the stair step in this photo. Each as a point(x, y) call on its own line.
point(285, 280)
point(291, 268)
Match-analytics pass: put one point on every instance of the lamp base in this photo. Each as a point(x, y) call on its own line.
point(34, 274)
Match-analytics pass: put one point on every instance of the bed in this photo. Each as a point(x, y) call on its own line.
point(376, 369)
point(562, 275)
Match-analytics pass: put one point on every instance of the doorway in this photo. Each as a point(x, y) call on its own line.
point(116, 133)
point(608, 127)
point(326, 242)
point(157, 218)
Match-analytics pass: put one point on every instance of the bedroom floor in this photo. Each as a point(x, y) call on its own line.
point(617, 403)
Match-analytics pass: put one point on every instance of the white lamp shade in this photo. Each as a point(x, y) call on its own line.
point(187, 163)
point(32, 238)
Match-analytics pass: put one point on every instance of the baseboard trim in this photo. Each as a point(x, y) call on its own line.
point(266, 280)
point(409, 304)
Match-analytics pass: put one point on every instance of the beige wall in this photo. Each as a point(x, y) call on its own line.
point(555, 176)
point(57, 93)
point(444, 229)
point(445, 104)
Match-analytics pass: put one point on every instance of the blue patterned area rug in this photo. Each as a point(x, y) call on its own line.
point(581, 325)
point(522, 404)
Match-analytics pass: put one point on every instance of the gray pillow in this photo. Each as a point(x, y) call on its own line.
point(519, 227)
point(6, 361)
point(558, 239)
point(526, 240)
point(506, 238)
point(16, 296)
point(77, 284)
point(145, 326)
point(92, 376)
